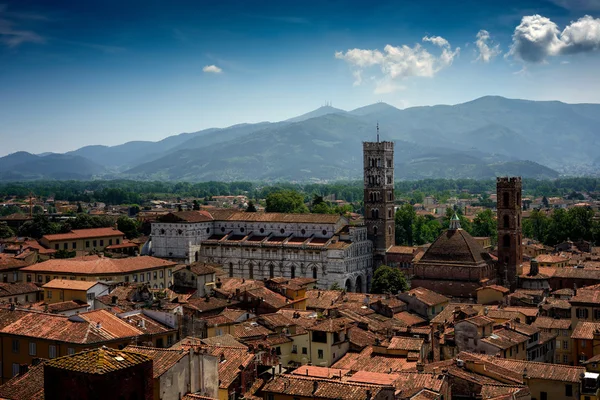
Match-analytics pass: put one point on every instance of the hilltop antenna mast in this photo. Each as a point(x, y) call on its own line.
point(377, 131)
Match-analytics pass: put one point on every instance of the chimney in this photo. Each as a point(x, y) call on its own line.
point(23, 368)
point(315, 387)
point(368, 395)
point(115, 300)
point(143, 323)
point(420, 366)
point(534, 268)
point(99, 325)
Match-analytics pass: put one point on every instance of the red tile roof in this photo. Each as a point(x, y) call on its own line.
point(406, 343)
point(162, 359)
point(99, 361)
point(17, 288)
point(427, 296)
point(84, 234)
point(70, 284)
point(99, 266)
point(294, 385)
point(586, 330)
point(366, 360)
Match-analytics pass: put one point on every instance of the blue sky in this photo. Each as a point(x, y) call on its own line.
point(74, 73)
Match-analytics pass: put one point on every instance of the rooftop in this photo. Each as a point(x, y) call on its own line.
point(69, 284)
point(99, 361)
point(84, 234)
point(456, 246)
point(99, 266)
point(427, 296)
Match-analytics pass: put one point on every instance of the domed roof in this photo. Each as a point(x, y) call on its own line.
point(455, 246)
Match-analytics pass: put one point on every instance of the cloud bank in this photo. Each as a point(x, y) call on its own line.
point(398, 63)
point(536, 38)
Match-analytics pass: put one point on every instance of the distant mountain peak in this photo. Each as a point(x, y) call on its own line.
point(373, 108)
point(319, 112)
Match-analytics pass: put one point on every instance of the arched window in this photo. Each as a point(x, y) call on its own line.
point(231, 270)
point(390, 230)
point(293, 272)
point(196, 255)
point(250, 271)
point(506, 221)
point(314, 271)
point(375, 231)
point(505, 199)
point(271, 271)
point(519, 199)
point(506, 241)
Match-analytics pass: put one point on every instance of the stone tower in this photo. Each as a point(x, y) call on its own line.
point(510, 249)
point(379, 196)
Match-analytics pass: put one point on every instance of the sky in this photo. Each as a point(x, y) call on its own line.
point(76, 73)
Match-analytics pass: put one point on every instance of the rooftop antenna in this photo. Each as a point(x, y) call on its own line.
point(377, 131)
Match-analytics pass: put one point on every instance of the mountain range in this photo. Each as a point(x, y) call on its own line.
point(480, 139)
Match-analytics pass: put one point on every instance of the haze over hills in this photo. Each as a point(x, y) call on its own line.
point(480, 139)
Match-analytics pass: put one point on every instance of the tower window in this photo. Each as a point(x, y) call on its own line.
point(375, 231)
point(506, 221)
point(505, 199)
point(314, 273)
point(506, 241)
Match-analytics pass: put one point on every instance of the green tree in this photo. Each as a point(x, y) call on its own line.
point(128, 226)
point(404, 219)
point(335, 286)
point(196, 205)
point(64, 254)
point(9, 210)
point(484, 224)
point(5, 231)
point(388, 280)
point(37, 209)
point(286, 201)
point(38, 227)
point(251, 207)
point(425, 229)
point(79, 208)
point(536, 226)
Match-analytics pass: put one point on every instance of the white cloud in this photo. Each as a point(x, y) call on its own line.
point(584, 5)
point(399, 62)
point(437, 40)
point(537, 38)
point(485, 48)
point(212, 69)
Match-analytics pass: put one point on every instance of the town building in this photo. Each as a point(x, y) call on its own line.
point(83, 240)
point(83, 292)
point(154, 271)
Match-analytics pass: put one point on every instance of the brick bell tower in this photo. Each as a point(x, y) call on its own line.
point(379, 196)
point(510, 249)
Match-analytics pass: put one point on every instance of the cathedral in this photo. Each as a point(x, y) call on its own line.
point(337, 253)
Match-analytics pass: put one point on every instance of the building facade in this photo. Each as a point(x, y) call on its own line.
point(264, 245)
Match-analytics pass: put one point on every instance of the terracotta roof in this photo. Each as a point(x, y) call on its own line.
point(278, 217)
point(8, 262)
point(99, 361)
point(110, 323)
point(498, 288)
point(330, 325)
point(275, 320)
point(447, 314)
point(367, 360)
point(322, 299)
point(162, 359)
point(409, 319)
point(319, 372)
point(503, 314)
point(401, 250)
point(479, 320)
point(70, 284)
point(548, 258)
point(269, 297)
point(16, 288)
point(552, 323)
point(505, 338)
point(564, 292)
point(361, 338)
point(455, 246)
point(293, 385)
point(249, 329)
point(535, 370)
point(65, 306)
point(226, 340)
point(199, 268)
point(427, 296)
point(586, 330)
point(406, 343)
point(84, 234)
point(527, 311)
point(149, 325)
point(231, 363)
point(29, 386)
point(99, 266)
point(213, 304)
point(586, 296)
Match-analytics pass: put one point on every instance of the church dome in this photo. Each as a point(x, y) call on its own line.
point(455, 246)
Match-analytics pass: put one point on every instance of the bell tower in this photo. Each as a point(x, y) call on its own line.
point(378, 160)
point(510, 237)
